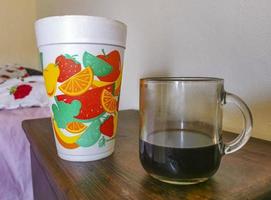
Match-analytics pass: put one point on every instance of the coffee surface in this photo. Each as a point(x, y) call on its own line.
point(180, 154)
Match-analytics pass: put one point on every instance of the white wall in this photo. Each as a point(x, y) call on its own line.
point(17, 41)
point(229, 39)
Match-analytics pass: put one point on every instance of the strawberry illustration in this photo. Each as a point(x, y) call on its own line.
point(90, 101)
point(107, 128)
point(68, 66)
point(20, 91)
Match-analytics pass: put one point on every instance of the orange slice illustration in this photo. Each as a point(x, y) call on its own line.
point(67, 142)
point(75, 127)
point(109, 103)
point(78, 83)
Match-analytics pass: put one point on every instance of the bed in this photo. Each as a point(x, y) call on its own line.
point(15, 164)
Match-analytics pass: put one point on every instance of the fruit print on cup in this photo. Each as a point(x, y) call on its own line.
point(50, 75)
point(109, 102)
point(75, 127)
point(68, 66)
point(78, 84)
point(85, 98)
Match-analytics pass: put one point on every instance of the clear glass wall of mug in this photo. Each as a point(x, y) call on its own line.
point(181, 127)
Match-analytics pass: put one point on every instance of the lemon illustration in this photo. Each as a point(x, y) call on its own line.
point(50, 74)
point(97, 83)
point(118, 81)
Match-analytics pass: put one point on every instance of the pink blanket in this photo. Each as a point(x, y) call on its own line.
point(15, 164)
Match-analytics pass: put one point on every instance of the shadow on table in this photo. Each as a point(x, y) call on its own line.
point(266, 196)
point(159, 190)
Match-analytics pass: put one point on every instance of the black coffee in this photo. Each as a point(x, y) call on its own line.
point(180, 155)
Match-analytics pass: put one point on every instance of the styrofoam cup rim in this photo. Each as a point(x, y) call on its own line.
point(80, 29)
point(80, 16)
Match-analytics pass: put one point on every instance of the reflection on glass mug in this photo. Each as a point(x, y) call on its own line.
point(181, 127)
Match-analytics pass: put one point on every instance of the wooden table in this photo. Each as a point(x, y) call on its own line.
point(245, 174)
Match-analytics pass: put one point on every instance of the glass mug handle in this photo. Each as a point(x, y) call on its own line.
point(241, 139)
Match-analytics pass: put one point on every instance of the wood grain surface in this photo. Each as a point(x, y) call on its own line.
point(245, 174)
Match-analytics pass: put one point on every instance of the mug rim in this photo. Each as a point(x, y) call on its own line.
point(185, 78)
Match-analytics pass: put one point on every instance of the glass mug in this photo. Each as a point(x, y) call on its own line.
point(181, 127)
